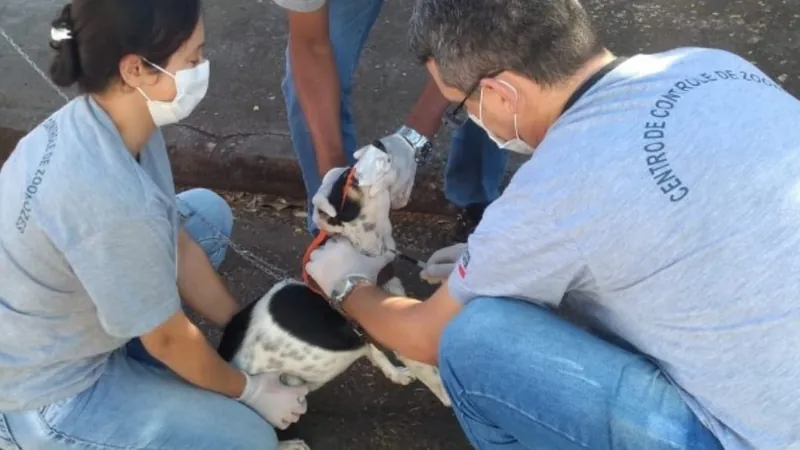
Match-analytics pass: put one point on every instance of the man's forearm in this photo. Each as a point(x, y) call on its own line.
point(426, 114)
point(317, 85)
point(185, 350)
point(394, 322)
point(199, 284)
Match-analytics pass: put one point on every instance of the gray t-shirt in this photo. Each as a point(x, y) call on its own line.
point(87, 253)
point(664, 207)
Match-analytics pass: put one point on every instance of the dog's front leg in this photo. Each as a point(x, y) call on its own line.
point(398, 375)
point(395, 287)
point(429, 376)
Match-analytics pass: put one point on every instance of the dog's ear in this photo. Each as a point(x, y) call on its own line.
point(347, 202)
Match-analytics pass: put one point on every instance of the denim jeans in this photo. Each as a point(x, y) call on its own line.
point(475, 165)
point(136, 405)
point(520, 377)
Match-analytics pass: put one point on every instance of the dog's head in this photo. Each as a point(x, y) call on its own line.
point(362, 215)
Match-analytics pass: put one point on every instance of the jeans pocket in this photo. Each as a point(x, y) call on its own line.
point(6, 440)
point(52, 414)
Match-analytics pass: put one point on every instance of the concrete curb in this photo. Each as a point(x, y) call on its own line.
point(195, 165)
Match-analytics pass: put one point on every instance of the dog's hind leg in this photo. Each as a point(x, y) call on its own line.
point(429, 376)
point(398, 375)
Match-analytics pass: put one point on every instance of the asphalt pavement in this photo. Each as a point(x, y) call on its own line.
point(238, 139)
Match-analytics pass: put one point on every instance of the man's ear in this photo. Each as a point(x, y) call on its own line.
point(504, 91)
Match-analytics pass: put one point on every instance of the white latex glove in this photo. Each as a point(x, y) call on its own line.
point(320, 199)
point(398, 177)
point(441, 264)
point(278, 404)
point(333, 262)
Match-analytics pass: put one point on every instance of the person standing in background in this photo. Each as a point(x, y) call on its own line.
point(325, 43)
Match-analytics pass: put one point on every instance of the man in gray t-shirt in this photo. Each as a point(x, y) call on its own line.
point(660, 208)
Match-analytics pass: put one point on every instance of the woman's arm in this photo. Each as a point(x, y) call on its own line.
point(199, 284)
point(128, 268)
point(182, 347)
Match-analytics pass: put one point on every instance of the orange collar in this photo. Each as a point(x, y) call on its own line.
point(323, 236)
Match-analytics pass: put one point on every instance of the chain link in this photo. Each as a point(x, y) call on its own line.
point(257, 261)
point(33, 65)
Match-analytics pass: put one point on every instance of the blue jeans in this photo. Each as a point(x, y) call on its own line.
point(475, 165)
point(136, 405)
point(520, 377)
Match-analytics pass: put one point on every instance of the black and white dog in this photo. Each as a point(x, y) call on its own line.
point(293, 330)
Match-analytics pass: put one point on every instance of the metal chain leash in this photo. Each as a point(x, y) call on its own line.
point(30, 62)
point(258, 262)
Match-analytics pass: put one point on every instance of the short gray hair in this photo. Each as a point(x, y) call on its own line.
point(547, 41)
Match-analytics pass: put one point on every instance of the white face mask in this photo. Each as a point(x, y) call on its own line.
point(191, 86)
point(515, 145)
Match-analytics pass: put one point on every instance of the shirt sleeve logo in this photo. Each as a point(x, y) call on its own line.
point(463, 262)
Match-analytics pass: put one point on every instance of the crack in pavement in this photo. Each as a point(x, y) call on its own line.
point(221, 139)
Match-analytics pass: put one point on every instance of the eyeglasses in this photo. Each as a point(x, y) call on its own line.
point(456, 117)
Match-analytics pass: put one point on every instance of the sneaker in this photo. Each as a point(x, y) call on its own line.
point(466, 221)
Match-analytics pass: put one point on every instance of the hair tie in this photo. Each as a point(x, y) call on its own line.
point(60, 34)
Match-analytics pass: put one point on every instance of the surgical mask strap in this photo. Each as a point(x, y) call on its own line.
point(158, 67)
point(141, 91)
point(516, 115)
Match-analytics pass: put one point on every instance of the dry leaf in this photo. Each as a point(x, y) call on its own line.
point(252, 205)
point(279, 204)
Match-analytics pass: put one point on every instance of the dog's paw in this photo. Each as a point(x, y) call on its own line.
point(295, 444)
point(429, 376)
point(441, 394)
point(400, 375)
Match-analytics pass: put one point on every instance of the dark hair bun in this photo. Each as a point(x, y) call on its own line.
point(65, 68)
point(105, 31)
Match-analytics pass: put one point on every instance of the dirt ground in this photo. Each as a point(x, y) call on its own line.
point(361, 409)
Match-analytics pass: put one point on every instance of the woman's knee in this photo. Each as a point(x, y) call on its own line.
point(210, 206)
point(232, 426)
point(243, 431)
point(208, 220)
